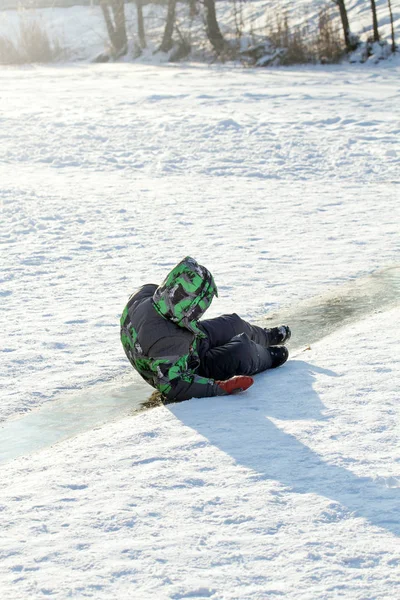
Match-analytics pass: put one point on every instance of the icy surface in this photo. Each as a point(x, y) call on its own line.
point(291, 489)
point(284, 183)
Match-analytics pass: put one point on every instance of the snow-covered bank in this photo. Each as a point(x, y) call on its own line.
point(283, 183)
point(291, 489)
point(82, 32)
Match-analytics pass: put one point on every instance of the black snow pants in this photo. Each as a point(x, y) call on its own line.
point(232, 347)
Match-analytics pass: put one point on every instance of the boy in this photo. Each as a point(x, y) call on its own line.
point(183, 357)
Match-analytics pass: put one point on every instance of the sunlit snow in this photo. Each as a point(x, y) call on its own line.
point(285, 184)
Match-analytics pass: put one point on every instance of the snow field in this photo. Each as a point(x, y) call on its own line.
point(284, 183)
point(291, 489)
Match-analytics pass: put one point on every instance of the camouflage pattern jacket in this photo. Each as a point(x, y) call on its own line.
point(160, 333)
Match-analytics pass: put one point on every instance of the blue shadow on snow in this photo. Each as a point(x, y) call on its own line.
point(240, 426)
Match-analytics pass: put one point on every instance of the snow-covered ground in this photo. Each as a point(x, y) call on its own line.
point(291, 490)
point(284, 183)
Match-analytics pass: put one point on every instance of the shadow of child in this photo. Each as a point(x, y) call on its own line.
point(241, 426)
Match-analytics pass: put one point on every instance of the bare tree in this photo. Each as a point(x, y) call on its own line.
point(393, 47)
point(213, 31)
point(192, 8)
point(374, 22)
point(238, 17)
point(114, 17)
point(349, 43)
point(167, 42)
point(140, 20)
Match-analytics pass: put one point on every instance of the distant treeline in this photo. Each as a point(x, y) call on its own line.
point(14, 4)
point(205, 30)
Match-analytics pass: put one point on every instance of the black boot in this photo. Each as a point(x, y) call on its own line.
point(278, 355)
point(278, 335)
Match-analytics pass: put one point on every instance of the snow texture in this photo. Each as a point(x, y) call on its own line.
point(284, 184)
point(291, 489)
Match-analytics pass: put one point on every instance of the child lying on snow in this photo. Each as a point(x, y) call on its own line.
point(183, 357)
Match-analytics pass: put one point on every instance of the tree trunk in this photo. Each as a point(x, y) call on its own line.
point(118, 8)
point(374, 21)
point(140, 20)
point(167, 43)
point(116, 26)
point(345, 24)
point(107, 18)
point(192, 8)
point(393, 47)
point(213, 31)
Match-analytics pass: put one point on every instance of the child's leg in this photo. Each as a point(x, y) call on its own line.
point(239, 356)
point(222, 329)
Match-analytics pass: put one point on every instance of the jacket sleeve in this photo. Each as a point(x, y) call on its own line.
point(177, 379)
point(189, 385)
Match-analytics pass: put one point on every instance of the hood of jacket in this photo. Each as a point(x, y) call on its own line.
point(185, 294)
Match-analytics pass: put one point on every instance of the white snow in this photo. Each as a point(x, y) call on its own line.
point(291, 489)
point(278, 181)
point(284, 183)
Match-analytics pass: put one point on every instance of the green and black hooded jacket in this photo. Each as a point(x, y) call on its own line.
point(160, 333)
